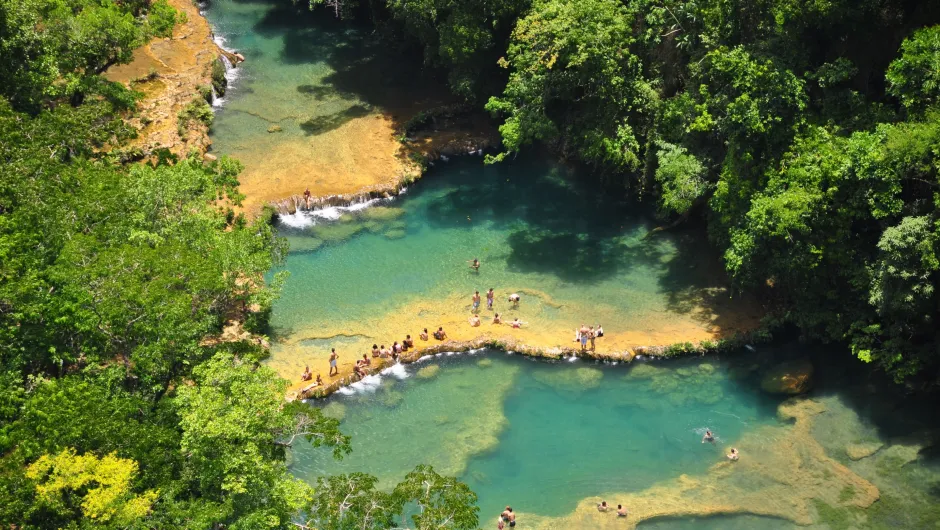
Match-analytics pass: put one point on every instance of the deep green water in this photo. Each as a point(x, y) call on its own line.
point(537, 435)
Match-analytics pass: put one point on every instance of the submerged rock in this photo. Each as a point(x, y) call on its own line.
point(863, 450)
point(792, 377)
point(335, 410)
point(576, 380)
point(429, 371)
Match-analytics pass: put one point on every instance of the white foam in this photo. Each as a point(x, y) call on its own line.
point(296, 220)
point(572, 359)
point(397, 370)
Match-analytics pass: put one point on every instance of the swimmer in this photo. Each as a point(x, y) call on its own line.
point(514, 299)
point(496, 319)
point(709, 437)
point(517, 323)
point(621, 511)
point(733, 455)
point(512, 517)
point(424, 334)
point(602, 507)
point(489, 299)
point(440, 334)
point(476, 300)
point(474, 320)
point(506, 513)
point(475, 264)
point(375, 350)
point(409, 342)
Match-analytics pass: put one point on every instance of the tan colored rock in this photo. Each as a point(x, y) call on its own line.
point(863, 450)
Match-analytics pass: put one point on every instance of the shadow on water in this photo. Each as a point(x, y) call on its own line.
point(323, 124)
point(558, 224)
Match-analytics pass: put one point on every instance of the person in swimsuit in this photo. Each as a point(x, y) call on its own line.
point(440, 334)
point(375, 350)
point(306, 375)
point(396, 348)
point(383, 353)
point(307, 198)
point(496, 319)
point(409, 342)
point(621, 511)
point(475, 264)
point(591, 337)
point(512, 517)
point(424, 334)
point(319, 380)
point(709, 437)
point(602, 507)
point(600, 331)
point(733, 455)
point(474, 320)
point(514, 299)
point(333, 358)
point(360, 370)
point(517, 324)
point(489, 299)
point(584, 337)
point(365, 360)
point(476, 300)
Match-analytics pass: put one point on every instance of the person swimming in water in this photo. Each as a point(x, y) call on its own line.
point(496, 319)
point(621, 511)
point(733, 455)
point(476, 300)
point(602, 507)
point(709, 437)
point(475, 264)
point(489, 299)
point(424, 334)
point(474, 320)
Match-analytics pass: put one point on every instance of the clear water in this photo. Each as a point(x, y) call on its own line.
point(575, 253)
point(542, 436)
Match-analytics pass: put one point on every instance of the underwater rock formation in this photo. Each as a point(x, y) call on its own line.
point(793, 377)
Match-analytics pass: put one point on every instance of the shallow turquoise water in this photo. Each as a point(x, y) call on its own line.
point(570, 431)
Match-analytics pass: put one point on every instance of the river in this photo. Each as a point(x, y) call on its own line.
point(316, 104)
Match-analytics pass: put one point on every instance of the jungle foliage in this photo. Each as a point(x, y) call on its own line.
point(120, 407)
point(805, 134)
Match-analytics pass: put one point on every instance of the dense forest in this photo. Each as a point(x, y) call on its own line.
point(805, 134)
point(119, 405)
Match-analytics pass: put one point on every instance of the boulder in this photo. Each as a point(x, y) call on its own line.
point(792, 378)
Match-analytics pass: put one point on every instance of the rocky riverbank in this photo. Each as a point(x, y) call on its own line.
point(178, 76)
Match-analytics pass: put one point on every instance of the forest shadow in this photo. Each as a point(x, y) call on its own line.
point(323, 124)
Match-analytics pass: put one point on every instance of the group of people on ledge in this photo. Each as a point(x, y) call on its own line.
point(585, 335)
point(474, 319)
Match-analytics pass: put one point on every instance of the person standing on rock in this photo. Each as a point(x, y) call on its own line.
point(584, 337)
point(307, 198)
point(333, 359)
point(591, 336)
point(476, 301)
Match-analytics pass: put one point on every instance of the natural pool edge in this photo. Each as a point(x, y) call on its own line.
point(733, 342)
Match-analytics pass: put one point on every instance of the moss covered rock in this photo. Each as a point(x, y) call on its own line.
point(792, 378)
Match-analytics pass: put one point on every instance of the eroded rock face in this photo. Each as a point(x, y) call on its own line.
point(792, 378)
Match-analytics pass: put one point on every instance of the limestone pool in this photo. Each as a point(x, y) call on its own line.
point(551, 439)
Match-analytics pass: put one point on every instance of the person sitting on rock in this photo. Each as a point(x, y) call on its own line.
point(602, 507)
point(621, 511)
point(474, 320)
point(306, 375)
point(408, 343)
point(424, 334)
point(440, 334)
point(496, 319)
